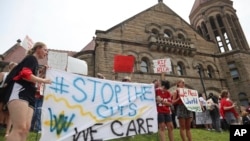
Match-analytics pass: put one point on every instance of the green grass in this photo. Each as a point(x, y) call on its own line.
point(197, 135)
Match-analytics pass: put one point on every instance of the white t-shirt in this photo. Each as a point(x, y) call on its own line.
point(202, 101)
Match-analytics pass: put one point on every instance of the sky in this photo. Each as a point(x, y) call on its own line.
point(71, 24)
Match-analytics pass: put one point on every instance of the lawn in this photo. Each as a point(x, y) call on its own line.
point(198, 135)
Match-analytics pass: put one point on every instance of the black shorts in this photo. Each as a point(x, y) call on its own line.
point(164, 118)
point(23, 93)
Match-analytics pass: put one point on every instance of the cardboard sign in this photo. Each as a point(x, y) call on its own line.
point(57, 60)
point(77, 66)
point(27, 43)
point(81, 108)
point(203, 118)
point(190, 99)
point(124, 63)
point(162, 65)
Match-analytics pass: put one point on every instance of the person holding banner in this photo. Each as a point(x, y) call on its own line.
point(164, 102)
point(21, 89)
point(183, 114)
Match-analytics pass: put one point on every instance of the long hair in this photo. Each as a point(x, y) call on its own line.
point(35, 47)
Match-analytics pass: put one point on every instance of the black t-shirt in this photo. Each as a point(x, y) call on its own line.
point(30, 62)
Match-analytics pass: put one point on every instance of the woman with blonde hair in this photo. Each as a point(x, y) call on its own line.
point(21, 89)
point(183, 114)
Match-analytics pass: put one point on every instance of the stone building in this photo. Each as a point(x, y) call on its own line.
point(213, 45)
point(214, 42)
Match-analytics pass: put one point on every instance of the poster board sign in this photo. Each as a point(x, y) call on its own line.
point(77, 66)
point(57, 60)
point(162, 65)
point(203, 118)
point(190, 99)
point(81, 108)
point(27, 43)
point(124, 63)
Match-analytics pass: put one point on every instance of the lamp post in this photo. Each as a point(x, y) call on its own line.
point(201, 78)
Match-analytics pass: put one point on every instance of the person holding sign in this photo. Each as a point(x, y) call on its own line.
point(183, 114)
point(164, 102)
point(21, 89)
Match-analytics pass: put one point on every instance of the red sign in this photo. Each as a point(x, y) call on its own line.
point(124, 63)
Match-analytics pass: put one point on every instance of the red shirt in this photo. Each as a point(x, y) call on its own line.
point(166, 96)
point(227, 103)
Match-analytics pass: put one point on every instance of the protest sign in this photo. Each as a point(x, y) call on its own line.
point(124, 63)
point(162, 65)
point(57, 60)
point(190, 99)
point(77, 66)
point(203, 118)
point(27, 43)
point(81, 108)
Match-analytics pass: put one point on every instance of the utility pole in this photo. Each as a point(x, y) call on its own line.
point(200, 70)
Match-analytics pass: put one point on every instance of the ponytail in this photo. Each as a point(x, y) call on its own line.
point(35, 47)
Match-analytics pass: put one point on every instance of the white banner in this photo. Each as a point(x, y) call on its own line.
point(190, 99)
point(77, 66)
point(162, 65)
point(80, 108)
point(57, 60)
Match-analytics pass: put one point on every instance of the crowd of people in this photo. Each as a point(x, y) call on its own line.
point(21, 101)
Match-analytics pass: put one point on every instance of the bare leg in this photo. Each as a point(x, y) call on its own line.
point(182, 128)
point(162, 131)
point(170, 127)
point(188, 127)
point(8, 123)
point(20, 116)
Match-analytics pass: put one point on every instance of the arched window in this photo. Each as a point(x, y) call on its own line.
point(199, 30)
point(210, 72)
point(167, 34)
point(201, 70)
point(155, 31)
point(144, 66)
point(180, 69)
point(181, 37)
point(243, 99)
